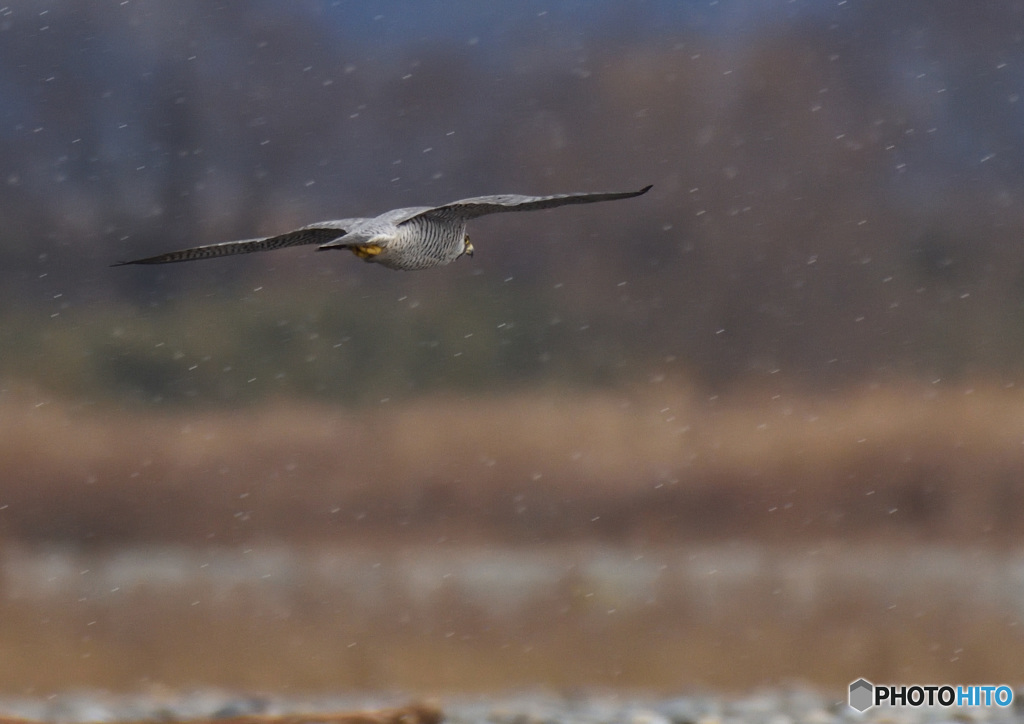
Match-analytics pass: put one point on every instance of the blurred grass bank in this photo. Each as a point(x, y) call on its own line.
point(449, 619)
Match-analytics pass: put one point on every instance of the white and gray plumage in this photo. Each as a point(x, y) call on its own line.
point(415, 238)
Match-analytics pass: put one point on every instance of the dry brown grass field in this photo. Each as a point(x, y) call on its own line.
point(914, 491)
point(916, 462)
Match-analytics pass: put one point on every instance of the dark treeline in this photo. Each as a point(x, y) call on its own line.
point(837, 192)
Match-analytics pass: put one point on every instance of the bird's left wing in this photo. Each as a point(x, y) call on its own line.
point(483, 205)
point(319, 233)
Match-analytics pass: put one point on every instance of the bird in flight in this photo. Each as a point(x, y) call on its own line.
point(415, 238)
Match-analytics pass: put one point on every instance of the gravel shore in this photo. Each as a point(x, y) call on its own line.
point(777, 706)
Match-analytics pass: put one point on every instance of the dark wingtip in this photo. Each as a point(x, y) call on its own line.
point(645, 189)
point(147, 260)
point(136, 261)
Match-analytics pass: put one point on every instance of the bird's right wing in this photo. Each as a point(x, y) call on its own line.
point(319, 233)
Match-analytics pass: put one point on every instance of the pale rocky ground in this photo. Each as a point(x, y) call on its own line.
point(774, 706)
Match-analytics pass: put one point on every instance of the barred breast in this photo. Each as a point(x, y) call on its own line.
point(424, 243)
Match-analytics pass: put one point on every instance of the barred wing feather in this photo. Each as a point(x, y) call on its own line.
point(320, 233)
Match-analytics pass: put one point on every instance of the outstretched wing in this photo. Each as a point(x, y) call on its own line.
point(319, 233)
point(483, 205)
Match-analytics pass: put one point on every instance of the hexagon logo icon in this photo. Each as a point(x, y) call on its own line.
point(862, 695)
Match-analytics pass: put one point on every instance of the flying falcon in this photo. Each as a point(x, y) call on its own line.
point(415, 238)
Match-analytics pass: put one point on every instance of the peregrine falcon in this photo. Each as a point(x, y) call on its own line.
point(415, 238)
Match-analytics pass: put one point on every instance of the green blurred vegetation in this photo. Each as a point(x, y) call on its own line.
point(231, 347)
point(818, 331)
point(476, 335)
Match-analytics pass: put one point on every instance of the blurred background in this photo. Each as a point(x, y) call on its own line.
point(761, 425)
